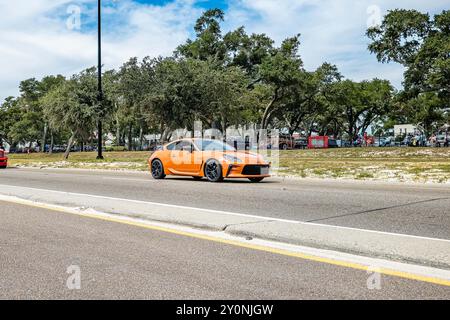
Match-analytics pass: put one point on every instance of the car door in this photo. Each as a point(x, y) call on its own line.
point(182, 158)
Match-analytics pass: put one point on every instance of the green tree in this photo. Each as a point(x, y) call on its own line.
point(422, 46)
point(361, 104)
point(209, 43)
point(283, 71)
point(29, 127)
point(10, 113)
point(309, 98)
point(73, 106)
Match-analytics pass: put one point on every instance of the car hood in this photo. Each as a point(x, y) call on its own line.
point(247, 157)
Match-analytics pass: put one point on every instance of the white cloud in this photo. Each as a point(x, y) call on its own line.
point(332, 31)
point(35, 41)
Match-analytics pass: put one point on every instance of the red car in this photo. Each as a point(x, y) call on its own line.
point(3, 159)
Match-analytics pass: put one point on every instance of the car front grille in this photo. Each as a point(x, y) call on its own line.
point(253, 170)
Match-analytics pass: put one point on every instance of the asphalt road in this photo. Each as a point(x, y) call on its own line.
point(118, 261)
point(422, 210)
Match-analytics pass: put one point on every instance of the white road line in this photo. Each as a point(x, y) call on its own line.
point(268, 219)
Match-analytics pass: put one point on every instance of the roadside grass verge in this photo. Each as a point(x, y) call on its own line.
point(387, 164)
point(135, 160)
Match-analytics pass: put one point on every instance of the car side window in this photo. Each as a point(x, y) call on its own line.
point(171, 146)
point(183, 145)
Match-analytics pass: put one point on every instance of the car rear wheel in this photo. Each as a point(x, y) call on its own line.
point(256, 179)
point(157, 169)
point(213, 171)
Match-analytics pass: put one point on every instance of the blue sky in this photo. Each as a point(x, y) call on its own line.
point(43, 37)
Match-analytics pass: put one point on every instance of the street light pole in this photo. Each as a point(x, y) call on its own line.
point(100, 90)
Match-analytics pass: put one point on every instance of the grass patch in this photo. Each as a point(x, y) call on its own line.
point(364, 175)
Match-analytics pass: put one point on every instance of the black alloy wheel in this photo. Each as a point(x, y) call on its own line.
point(157, 169)
point(213, 171)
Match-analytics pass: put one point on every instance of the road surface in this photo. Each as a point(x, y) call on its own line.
point(118, 261)
point(420, 210)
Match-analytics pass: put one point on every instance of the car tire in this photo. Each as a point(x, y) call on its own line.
point(256, 180)
point(213, 171)
point(284, 146)
point(196, 178)
point(157, 169)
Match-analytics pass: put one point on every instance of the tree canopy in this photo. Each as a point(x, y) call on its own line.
point(422, 45)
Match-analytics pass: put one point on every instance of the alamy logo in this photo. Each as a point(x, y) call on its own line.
point(374, 279)
point(374, 19)
point(73, 22)
point(74, 280)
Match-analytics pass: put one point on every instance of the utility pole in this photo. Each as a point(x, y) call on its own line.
point(100, 90)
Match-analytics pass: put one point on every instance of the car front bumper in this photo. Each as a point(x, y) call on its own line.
point(248, 171)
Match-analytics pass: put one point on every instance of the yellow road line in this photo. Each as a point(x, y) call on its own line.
point(309, 257)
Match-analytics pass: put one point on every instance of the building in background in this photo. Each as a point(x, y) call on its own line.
point(404, 129)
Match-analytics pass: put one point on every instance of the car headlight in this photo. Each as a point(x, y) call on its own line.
point(231, 158)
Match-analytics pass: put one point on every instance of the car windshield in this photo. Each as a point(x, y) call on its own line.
point(213, 145)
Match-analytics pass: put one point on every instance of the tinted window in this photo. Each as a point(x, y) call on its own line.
point(182, 145)
point(213, 145)
point(171, 146)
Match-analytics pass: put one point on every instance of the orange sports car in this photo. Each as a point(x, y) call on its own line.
point(212, 159)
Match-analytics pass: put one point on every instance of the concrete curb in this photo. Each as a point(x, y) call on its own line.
point(404, 248)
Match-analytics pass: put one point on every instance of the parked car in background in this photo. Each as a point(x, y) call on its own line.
point(332, 143)
point(59, 148)
point(406, 141)
point(301, 143)
point(3, 159)
point(442, 140)
point(286, 142)
point(345, 144)
point(386, 142)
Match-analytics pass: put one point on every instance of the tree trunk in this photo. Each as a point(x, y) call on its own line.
point(118, 136)
point(130, 138)
point(51, 143)
point(69, 146)
point(44, 138)
point(268, 110)
point(122, 138)
point(224, 129)
point(164, 135)
point(141, 138)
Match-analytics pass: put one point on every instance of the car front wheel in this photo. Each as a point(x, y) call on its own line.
point(213, 171)
point(157, 169)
